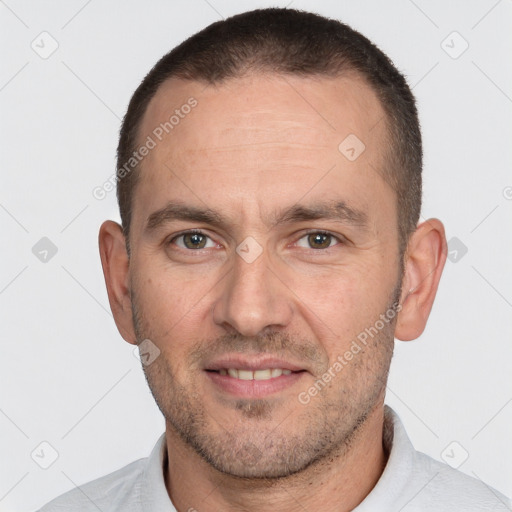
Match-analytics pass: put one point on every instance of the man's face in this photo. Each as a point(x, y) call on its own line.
point(297, 256)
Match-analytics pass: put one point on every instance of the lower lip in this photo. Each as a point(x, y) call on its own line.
point(253, 388)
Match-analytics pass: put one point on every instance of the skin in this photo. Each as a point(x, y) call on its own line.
point(253, 147)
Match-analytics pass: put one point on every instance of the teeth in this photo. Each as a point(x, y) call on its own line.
point(244, 374)
point(267, 374)
point(263, 374)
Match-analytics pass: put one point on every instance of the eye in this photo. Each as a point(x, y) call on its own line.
point(193, 240)
point(317, 240)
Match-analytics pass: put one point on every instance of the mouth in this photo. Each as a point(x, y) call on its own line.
point(253, 378)
point(265, 374)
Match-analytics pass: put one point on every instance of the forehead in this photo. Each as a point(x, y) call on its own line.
point(261, 104)
point(251, 134)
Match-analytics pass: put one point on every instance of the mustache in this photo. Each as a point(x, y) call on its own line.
point(270, 343)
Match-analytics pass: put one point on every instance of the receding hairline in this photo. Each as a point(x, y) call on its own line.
point(176, 80)
point(385, 169)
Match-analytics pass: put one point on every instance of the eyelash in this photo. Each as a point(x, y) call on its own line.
point(323, 233)
point(309, 232)
point(188, 232)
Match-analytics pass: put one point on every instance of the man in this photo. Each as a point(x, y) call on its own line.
point(269, 184)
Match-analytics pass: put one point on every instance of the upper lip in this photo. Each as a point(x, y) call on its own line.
point(241, 362)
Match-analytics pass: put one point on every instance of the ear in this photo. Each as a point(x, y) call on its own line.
point(116, 265)
point(424, 262)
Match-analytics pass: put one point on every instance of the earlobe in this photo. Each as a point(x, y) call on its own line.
point(424, 263)
point(116, 265)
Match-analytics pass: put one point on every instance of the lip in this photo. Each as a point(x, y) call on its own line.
point(241, 362)
point(253, 388)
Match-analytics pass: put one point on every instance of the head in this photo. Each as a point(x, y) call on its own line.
point(272, 215)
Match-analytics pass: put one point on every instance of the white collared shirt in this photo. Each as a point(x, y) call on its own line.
point(411, 482)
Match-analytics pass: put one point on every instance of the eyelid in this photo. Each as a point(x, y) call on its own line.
point(340, 238)
point(190, 232)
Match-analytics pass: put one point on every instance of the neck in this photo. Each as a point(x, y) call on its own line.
point(340, 482)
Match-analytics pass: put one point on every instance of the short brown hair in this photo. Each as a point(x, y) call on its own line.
point(288, 41)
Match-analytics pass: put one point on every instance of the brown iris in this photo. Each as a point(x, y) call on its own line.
point(194, 240)
point(319, 240)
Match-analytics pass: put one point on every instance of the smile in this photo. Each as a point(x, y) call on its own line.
point(259, 383)
point(269, 373)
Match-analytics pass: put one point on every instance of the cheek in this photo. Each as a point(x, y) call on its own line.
point(339, 303)
point(173, 304)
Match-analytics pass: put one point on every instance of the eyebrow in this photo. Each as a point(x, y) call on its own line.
point(336, 210)
point(176, 211)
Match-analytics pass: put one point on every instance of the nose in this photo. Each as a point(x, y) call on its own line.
point(253, 299)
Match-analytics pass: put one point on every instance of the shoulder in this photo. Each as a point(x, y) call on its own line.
point(442, 488)
point(415, 482)
point(136, 487)
point(113, 492)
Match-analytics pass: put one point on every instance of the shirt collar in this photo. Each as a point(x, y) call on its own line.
point(153, 492)
point(390, 488)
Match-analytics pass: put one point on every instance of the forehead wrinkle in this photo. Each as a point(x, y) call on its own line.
point(257, 156)
point(272, 144)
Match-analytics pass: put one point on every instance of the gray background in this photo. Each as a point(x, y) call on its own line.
point(68, 378)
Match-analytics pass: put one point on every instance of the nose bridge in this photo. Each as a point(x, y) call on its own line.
point(252, 298)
